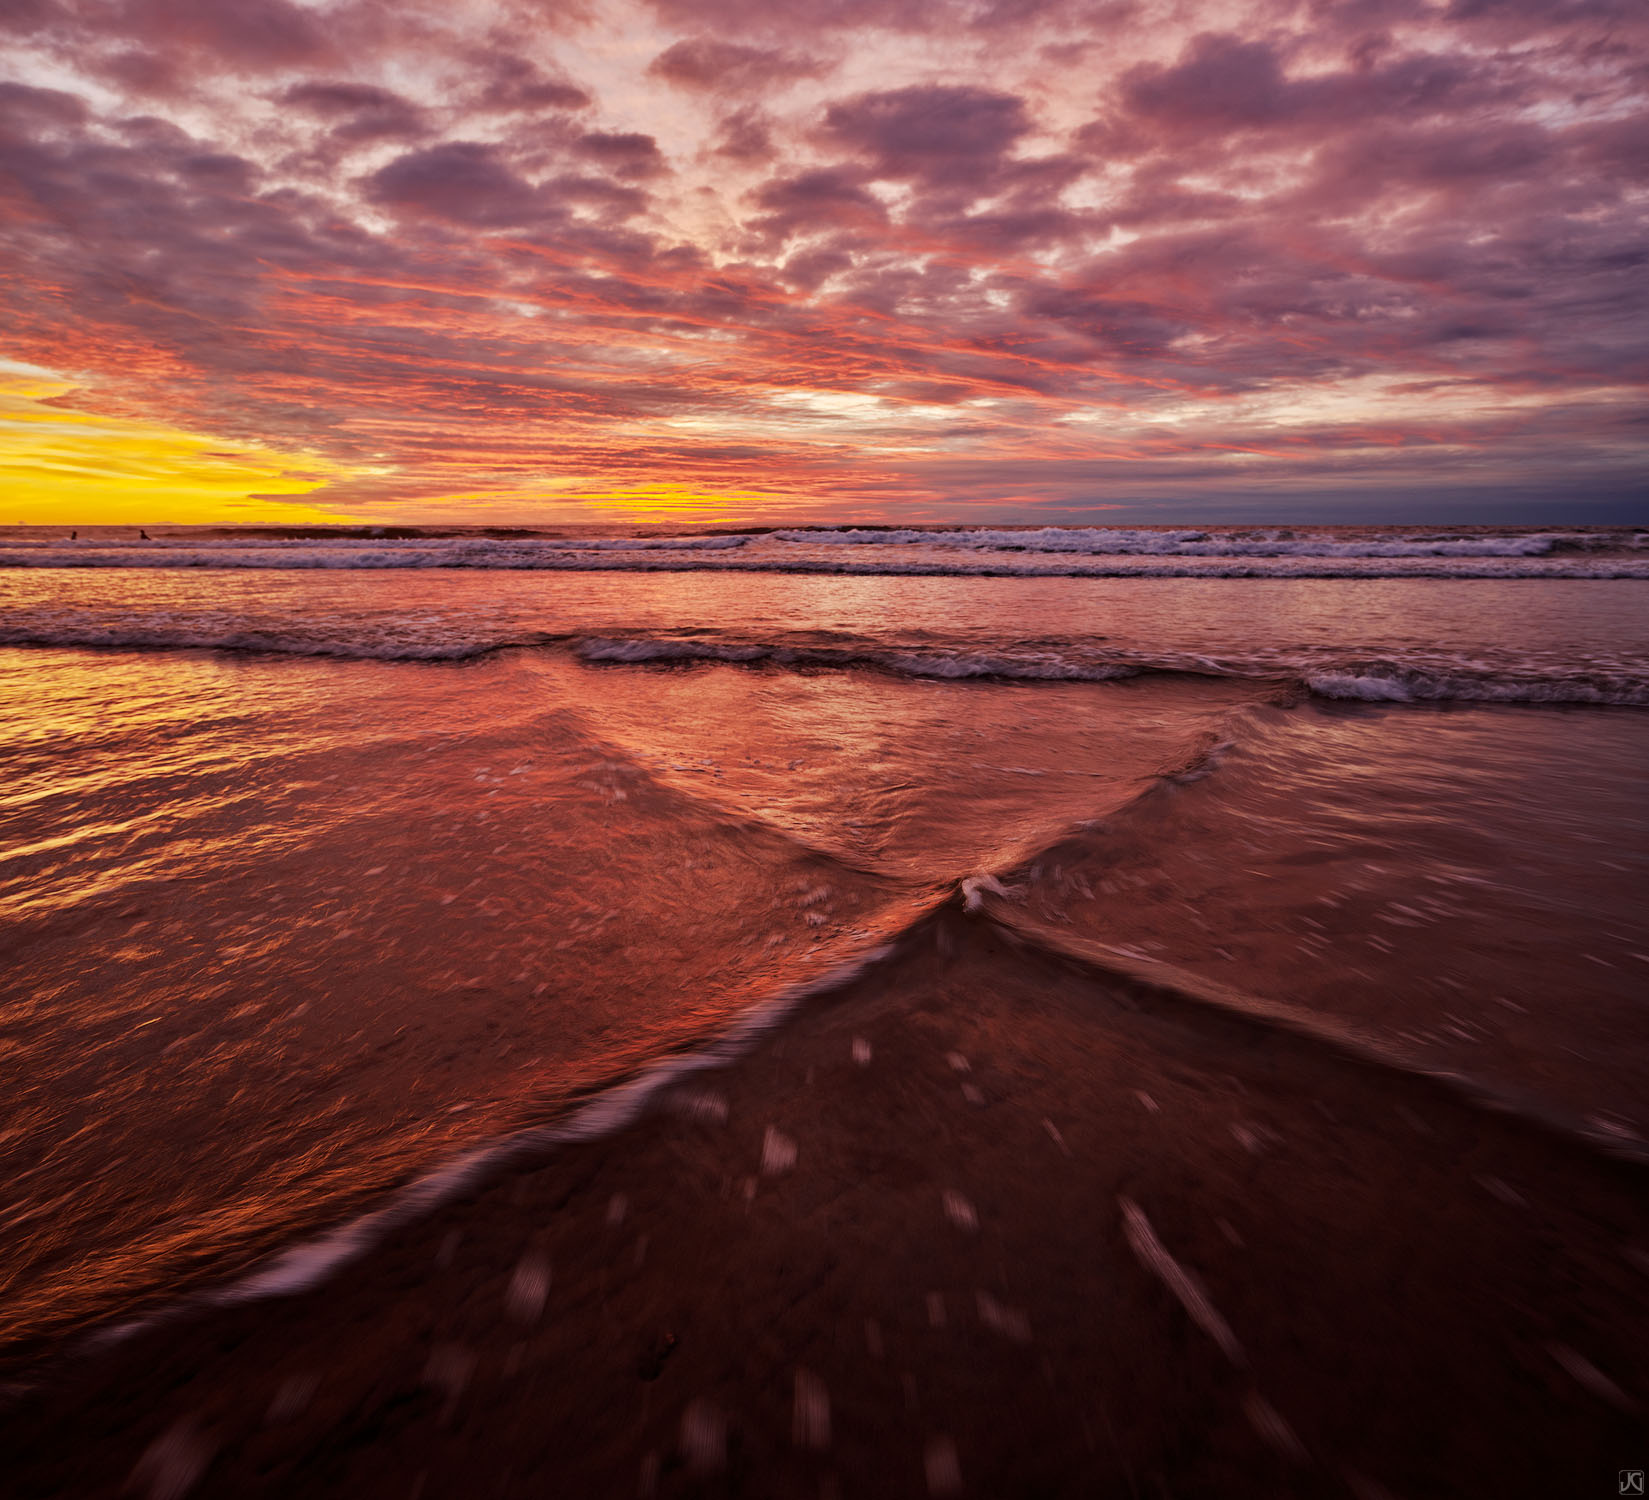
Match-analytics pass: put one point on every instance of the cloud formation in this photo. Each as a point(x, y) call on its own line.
point(994, 259)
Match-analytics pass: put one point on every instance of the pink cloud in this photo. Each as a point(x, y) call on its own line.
point(437, 245)
point(723, 67)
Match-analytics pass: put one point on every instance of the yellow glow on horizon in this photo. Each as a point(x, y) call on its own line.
point(581, 499)
point(676, 502)
point(63, 467)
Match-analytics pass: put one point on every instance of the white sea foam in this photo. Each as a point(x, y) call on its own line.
point(1044, 552)
point(1401, 684)
point(1412, 676)
point(358, 554)
point(1149, 1250)
point(1272, 542)
point(933, 662)
point(310, 1262)
point(651, 544)
point(1421, 677)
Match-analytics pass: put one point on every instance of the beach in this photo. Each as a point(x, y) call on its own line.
point(824, 751)
point(952, 1015)
point(985, 1221)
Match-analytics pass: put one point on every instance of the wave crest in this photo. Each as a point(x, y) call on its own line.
point(1269, 542)
point(1051, 551)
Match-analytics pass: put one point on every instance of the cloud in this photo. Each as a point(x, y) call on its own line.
point(942, 133)
point(510, 83)
point(357, 111)
point(744, 135)
point(812, 17)
point(253, 34)
point(625, 153)
point(1223, 84)
point(461, 181)
point(721, 67)
point(1028, 249)
point(24, 107)
point(168, 39)
point(825, 198)
point(25, 16)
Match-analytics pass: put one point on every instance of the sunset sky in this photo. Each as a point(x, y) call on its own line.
point(497, 261)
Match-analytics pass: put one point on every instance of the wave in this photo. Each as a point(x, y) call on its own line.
point(1086, 552)
point(312, 1261)
point(1396, 682)
point(354, 554)
point(351, 551)
point(900, 661)
point(200, 636)
point(1394, 677)
point(983, 899)
point(1419, 677)
point(1097, 541)
point(1345, 1043)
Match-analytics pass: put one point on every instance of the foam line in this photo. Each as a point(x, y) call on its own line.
point(979, 552)
point(1272, 542)
point(1153, 1255)
point(1347, 1043)
point(310, 1262)
point(1392, 677)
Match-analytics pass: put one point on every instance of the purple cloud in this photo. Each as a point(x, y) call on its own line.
point(721, 67)
point(460, 181)
point(357, 111)
point(943, 133)
point(1064, 213)
point(513, 84)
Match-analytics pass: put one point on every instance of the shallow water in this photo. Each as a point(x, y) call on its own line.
point(1022, 551)
point(1463, 886)
point(1498, 640)
point(363, 868)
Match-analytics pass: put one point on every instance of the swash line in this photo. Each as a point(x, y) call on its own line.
point(1346, 1044)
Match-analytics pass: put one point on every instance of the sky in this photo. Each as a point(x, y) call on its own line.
point(512, 261)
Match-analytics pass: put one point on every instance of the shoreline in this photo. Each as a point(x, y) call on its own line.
point(390, 530)
point(897, 1247)
point(1598, 567)
point(312, 1255)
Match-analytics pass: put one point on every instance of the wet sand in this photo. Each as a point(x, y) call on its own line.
point(984, 1222)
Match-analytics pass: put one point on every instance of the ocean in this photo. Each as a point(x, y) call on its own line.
point(328, 861)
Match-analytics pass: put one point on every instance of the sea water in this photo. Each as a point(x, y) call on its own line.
point(326, 860)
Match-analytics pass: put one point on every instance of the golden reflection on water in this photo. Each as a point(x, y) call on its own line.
point(282, 930)
point(285, 930)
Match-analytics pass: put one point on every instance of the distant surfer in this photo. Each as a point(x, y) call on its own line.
point(142, 534)
point(74, 536)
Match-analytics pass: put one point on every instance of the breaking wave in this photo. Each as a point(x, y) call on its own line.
point(1270, 542)
point(1428, 677)
point(353, 553)
point(1416, 676)
point(978, 902)
point(1053, 551)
